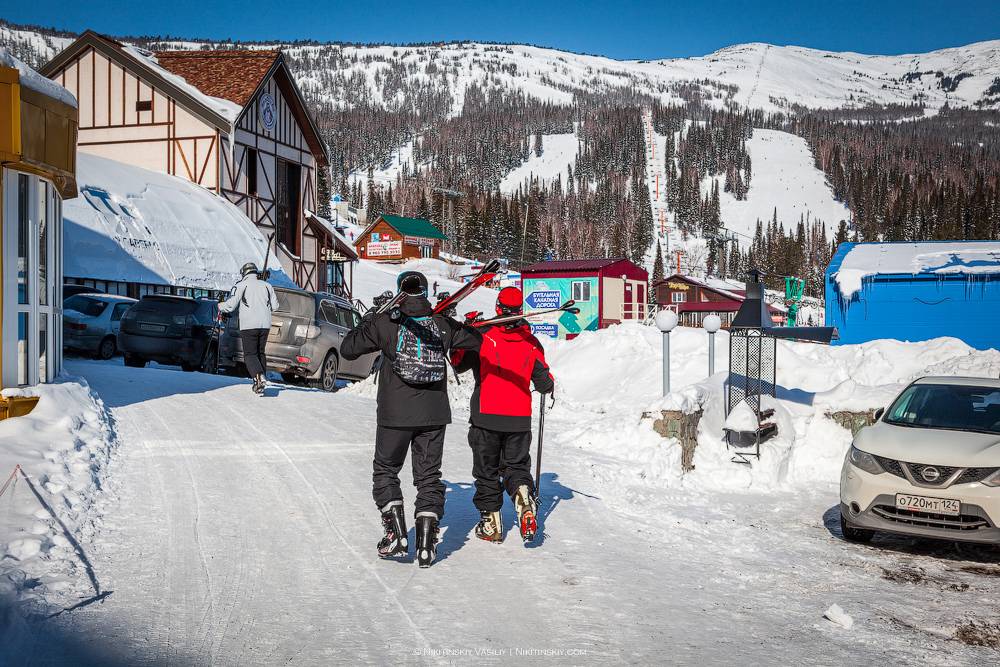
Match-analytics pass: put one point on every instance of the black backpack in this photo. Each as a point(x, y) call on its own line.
point(419, 351)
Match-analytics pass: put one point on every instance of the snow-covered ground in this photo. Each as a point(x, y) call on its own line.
point(240, 530)
point(558, 152)
point(784, 177)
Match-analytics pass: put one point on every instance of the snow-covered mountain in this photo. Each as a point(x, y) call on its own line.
point(755, 75)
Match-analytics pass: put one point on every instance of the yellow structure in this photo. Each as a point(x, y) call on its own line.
point(38, 132)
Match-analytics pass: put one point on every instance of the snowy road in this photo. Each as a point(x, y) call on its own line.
point(242, 533)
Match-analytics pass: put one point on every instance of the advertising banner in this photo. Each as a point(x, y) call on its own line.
point(384, 249)
point(547, 293)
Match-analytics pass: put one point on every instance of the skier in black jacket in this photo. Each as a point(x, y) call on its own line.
point(413, 408)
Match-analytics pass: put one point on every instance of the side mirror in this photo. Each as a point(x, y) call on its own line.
point(879, 413)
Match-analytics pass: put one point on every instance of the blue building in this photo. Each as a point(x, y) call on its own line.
point(915, 291)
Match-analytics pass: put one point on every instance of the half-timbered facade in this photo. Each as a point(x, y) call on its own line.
point(233, 122)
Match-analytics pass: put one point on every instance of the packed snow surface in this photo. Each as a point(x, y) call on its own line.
point(135, 225)
point(784, 178)
point(558, 152)
point(29, 78)
point(936, 257)
point(243, 530)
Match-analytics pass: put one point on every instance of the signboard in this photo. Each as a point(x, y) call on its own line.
point(546, 293)
point(331, 255)
point(544, 299)
point(384, 249)
point(419, 241)
point(677, 285)
point(268, 113)
point(545, 329)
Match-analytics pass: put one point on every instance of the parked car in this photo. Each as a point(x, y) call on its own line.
point(91, 322)
point(170, 330)
point(929, 466)
point(73, 290)
point(304, 342)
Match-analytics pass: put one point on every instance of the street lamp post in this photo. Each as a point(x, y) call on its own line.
point(666, 320)
point(712, 323)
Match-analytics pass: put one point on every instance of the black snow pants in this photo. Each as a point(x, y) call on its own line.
point(497, 454)
point(426, 447)
point(254, 342)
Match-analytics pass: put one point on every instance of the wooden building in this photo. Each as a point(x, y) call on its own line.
point(607, 291)
point(695, 298)
point(393, 238)
point(38, 125)
point(233, 122)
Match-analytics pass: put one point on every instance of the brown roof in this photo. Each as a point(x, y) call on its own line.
point(231, 75)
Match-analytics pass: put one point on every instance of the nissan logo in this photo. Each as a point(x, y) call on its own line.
point(930, 474)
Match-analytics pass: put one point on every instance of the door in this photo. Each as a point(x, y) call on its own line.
point(32, 290)
point(116, 316)
point(287, 205)
point(628, 307)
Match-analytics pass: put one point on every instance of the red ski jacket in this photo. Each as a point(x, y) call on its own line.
point(508, 361)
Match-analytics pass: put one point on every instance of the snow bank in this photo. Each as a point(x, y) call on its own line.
point(935, 257)
point(136, 225)
point(605, 381)
point(29, 78)
point(63, 446)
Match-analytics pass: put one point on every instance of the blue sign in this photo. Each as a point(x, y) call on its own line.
point(544, 300)
point(550, 330)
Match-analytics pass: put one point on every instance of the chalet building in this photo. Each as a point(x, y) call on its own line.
point(233, 122)
point(696, 298)
point(393, 238)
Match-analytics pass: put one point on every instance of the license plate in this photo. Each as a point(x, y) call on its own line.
point(158, 328)
point(924, 504)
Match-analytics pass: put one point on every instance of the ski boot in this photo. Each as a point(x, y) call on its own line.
point(427, 534)
point(259, 384)
point(490, 527)
point(393, 543)
point(524, 503)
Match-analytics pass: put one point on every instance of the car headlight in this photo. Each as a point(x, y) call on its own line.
point(865, 461)
point(994, 479)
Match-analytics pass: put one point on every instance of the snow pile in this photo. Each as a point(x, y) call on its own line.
point(136, 225)
point(605, 381)
point(835, 614)
point(937, 257)
point(63, 446)
point(29, 78)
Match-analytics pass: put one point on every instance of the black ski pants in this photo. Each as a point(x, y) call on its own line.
point(499, 460)
point(254, 342)
point(426, 447)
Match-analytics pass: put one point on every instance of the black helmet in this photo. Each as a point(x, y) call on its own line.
point(248, 268)
point(412, 282)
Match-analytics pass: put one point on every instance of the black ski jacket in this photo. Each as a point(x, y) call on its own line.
point(402, 405)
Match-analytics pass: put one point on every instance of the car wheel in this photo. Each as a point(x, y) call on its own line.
point(211, 362)
point(133, 361)
point(852, 534)
point(328, 373)
point(107, 348)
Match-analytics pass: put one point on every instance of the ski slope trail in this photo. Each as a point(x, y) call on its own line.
point(242, 532)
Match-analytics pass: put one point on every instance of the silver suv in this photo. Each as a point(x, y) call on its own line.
point(304, 343)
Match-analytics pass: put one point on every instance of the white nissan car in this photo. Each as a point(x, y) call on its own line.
point(929, 466)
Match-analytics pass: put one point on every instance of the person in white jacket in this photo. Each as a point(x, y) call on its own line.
point(255, 299)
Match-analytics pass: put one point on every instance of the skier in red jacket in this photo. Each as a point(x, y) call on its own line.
point(508, 362)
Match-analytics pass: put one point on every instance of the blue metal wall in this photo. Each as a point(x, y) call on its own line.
point(916, 307)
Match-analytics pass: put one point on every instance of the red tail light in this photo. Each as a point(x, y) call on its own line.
point(302, 360)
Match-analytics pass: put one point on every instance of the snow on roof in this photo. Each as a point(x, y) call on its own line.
point(134, 225)
point(228, 110)
point(330, 227)
point(934, 257)
point(29, 78)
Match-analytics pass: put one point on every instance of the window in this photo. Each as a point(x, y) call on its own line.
point(678, 297)
point(251, 160)
point(84, 304)
point(119, 310)
point(328, 312)
point(144, 105)
point(43, 338)
point(23, 234)
point(43, 241)
point(22, 349)
point(345, 317)
point(581, 290)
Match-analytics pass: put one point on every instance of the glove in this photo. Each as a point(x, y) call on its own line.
point(473, 316)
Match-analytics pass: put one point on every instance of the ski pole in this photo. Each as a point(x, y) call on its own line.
point(541, 435)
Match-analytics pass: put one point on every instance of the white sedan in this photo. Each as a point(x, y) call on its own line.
point(929, 466)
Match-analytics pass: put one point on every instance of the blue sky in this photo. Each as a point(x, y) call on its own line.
point(617, 29)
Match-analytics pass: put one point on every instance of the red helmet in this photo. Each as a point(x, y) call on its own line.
point(510, 301)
